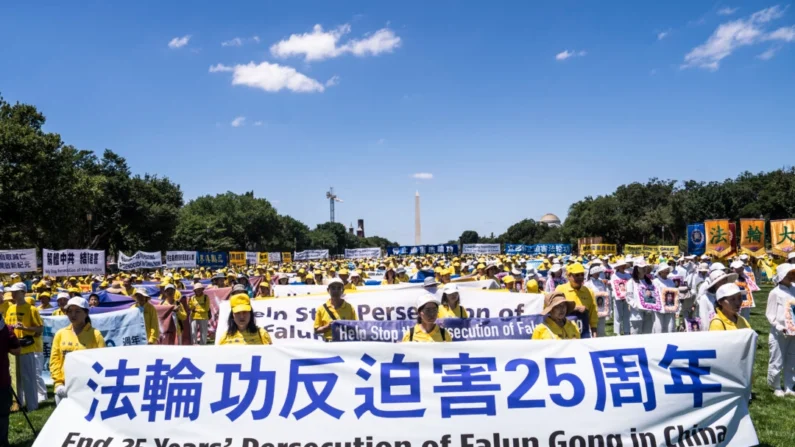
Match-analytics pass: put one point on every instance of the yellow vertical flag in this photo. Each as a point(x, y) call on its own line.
point(263, 258)
point(782, 236)
point(752, 237)
point(287, 257)
point(237, 257)
point(718, 238)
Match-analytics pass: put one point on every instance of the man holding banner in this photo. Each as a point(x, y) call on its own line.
point(336, 308)
point(581, 296)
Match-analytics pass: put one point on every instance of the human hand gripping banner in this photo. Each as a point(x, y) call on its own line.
point(646, 390)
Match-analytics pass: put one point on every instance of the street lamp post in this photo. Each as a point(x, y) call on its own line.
point(88, 218)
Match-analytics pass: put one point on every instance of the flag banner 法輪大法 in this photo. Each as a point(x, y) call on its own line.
point(73, 262)
point(752, 237)
point(18, 261)
point(782, 237)
point(677, 389)
point(718, 238)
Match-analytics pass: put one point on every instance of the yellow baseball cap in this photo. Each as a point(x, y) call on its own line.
point(240, 303)
point(575, 268)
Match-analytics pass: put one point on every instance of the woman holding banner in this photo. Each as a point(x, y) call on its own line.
point(451, 303)
point(242, 326)
point(556, 326)
point(79, 335)
point(426, 329)
point(601, 294)
point(665, 318)
point(264, 291)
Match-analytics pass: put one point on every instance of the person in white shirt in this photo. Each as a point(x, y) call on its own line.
point(782, 345)
point(598, 285)
point(706, 300)
point(619, 282)
point(641, 321)
point(746, 285)
point(664, 320)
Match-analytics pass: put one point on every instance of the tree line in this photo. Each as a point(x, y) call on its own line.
point(54, 195)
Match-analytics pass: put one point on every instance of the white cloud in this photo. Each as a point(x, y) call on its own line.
point(236, 42)
point(319, 44)
point(738, 33)
point(270, 77)
point(768, 54)
point(727, 11)
point(565, 54)
point(255, 39)
point(663, 34)
point(423, 176)
point(179, 42)
point(334, 80)
point(257, 123)
point(239, 121)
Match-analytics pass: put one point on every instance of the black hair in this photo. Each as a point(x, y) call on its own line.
point(88, 319)
point(386, 275)
point(419, 312)
point(231, 326)
point(636, 275)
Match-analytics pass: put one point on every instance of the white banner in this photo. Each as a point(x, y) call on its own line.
point(686, 389)
point(357, 253)
point(140, 260)
point(18, 261)
point(73, 262)
point(294, 318)
point(118, 328)
point(180, 259)
point(481, 249)
point(308, 255)
point(274, 257)
point(305, 289)
point(252, 257)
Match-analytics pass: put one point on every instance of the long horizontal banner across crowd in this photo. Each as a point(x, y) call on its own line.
point(140, 260)
point(295, 318)
point(598, 249)
point(647, 390)
point(359, 253)
point(73, 262)
point(310, 255)
point(645, 250)
point(18, 261)
point(538, 249)
point(480, 249)
point(414, 250)
point(467, 329)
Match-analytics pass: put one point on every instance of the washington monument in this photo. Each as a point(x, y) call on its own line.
point(417, 230)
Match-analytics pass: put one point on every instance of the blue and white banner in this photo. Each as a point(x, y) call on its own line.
point(119, 328)
point(252, 257)
point(274, 257)
point(469, 329)
point(181, 259)
point(18, 261)
point(308, 255)
point(538, 249)
point(413, 250)
point(481, 249)
point(685, 389)
point(294, 318)
point(696, 239)
point(359, 253)
point(213, 259)
point(140, 260)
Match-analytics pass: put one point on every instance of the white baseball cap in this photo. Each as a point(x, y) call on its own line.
point(426, 298)
point(62, 296)
point(737, 265)
point(19, 287)
point(335, 280)
point(450, 288)
point(716, 266)
point(141, 292)
point(782, 271)
point(791, 255)
point(77, 301)
point(743, 256)
point(726, 291)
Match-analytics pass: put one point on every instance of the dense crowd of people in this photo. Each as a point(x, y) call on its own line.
point(641, 295)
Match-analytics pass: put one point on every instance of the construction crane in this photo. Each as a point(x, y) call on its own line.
point(331, 199)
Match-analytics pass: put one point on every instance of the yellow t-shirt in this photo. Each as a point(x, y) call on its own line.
point(721, 323)
point(262, 337)
point(29, 316)
point(581, 297)
point(58, 313)
point(351, 287)
point(455, 312)
point(151, 322)
point(65, 341)
point(436, 335)
point(200, 306)
point(322, 318)
point(549, 330)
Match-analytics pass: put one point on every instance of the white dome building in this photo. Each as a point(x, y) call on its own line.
point(551, 220)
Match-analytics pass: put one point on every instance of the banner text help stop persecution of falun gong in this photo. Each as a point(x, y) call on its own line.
point(679, 389)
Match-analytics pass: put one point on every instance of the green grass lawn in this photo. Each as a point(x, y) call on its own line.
point(774, 418)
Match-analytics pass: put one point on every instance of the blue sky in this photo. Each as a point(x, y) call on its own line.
point(514, 109)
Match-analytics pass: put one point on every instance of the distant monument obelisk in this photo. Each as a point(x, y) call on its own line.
point(417, 231)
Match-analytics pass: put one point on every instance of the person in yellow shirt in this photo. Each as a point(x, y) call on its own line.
point(27, 324)
point(402, 276)
point(151, 322)
point(510, 284)
point(242, 326)
point(426, 329)
point(79, 335)
point(264, 291)
point(451, 303)
point(344, 275)
point(356, 279)
point(390, 277)
point(531, 283)
point(556, 326)
point(582, 297)
point(727, 314)
point(336, 308)
point(61, 299)
point(178, 314)
point(44, 299)
point(200, 314)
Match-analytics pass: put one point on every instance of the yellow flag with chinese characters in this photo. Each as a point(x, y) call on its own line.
point(752, 237)
point(237, 257)
point(263, 258)
point(782, 236)
point(719, 237)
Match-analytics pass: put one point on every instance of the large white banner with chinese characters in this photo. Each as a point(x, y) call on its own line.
point(73, 262)
point(294, 318)
point(18, 261)
point(647, 390)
